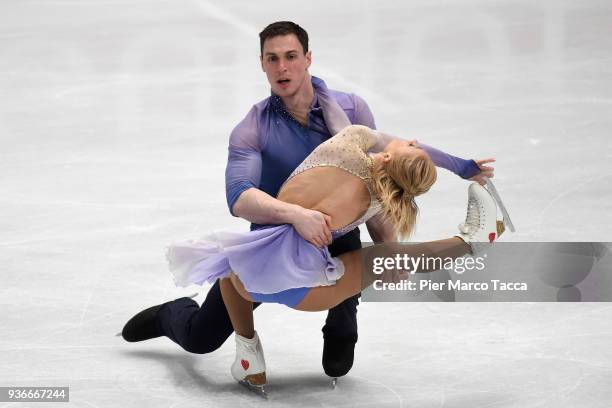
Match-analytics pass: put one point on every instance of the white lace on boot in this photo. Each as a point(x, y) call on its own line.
point(480, 228)
point(249, 366)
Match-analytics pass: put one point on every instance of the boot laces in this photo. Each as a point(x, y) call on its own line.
point(472, 219)
point(250, 348)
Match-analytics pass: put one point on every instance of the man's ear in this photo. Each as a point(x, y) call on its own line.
point(309, 59)
point(261, 63)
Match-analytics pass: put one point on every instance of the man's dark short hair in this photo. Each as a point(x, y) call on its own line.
point(283, 28)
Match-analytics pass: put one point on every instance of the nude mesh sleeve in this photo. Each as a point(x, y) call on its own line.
point(461, 167)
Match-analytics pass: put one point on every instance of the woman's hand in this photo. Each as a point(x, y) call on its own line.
point(313, 226)
point(485, 171)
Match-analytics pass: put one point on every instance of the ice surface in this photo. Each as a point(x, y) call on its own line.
point(114, 121)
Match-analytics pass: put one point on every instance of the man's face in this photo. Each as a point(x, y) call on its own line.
point(285, 64)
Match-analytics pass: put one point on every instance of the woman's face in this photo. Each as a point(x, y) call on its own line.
point(409, 148)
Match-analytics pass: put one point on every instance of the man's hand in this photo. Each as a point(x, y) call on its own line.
point(313, 226)
point(485, 171)
point(259, 207)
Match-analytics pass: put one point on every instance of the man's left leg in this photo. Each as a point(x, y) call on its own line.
point(339, 338)
point(340, 330)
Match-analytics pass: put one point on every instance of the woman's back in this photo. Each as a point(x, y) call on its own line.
point(336, 179)
point(330, 190)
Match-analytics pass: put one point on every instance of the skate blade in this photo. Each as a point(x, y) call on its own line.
point(257, 389)
point(500, 204)
point(334, 383)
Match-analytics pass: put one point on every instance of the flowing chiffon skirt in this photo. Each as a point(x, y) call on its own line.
point(267, 260)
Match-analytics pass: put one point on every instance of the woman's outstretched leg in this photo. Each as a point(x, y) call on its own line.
point(356, 279)
point(479, 230)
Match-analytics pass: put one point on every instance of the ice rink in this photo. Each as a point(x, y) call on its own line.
point(114, 123)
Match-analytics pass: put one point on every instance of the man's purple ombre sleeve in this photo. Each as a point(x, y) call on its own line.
point(363, 114)
point(243, 169)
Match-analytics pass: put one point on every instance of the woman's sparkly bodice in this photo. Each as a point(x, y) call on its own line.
point(348, 150)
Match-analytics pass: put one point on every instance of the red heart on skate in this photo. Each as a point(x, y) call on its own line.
point(491, 237)
point(245, 364)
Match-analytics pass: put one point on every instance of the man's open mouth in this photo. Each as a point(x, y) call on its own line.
point(283, 81)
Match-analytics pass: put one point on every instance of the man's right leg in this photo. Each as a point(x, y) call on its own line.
point(340, 330)
point(196, 329)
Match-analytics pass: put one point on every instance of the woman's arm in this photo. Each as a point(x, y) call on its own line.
point(463, 168)
point(374, 141)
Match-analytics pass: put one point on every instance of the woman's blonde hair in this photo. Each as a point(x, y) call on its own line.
point(397, 183)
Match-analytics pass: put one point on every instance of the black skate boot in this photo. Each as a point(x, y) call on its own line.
point(143, 326)
point(338, 356)
point(339, 338)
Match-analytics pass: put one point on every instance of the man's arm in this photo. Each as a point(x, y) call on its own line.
point(381, 230)
point(261, 208)
point(363, 115)
point(245, 200)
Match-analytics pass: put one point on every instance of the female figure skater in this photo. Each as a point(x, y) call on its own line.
point(355, 175)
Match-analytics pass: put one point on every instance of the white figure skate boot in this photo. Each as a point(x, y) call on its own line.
point(481, 227)
point(249, 367)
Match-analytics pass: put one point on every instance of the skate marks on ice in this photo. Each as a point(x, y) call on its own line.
point(186, 379)
point(372, 391)
point(196, 381)
point(307, 390)
point(587, 192)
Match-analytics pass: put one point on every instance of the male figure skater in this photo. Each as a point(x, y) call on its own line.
point(265, 147)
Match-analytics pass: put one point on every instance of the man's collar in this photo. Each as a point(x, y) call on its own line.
point(278, 104)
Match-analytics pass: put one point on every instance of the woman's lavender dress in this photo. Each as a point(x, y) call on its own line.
point(267, 260)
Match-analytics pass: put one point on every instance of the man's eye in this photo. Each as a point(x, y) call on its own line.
point(271, 59)
point(291, 57)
